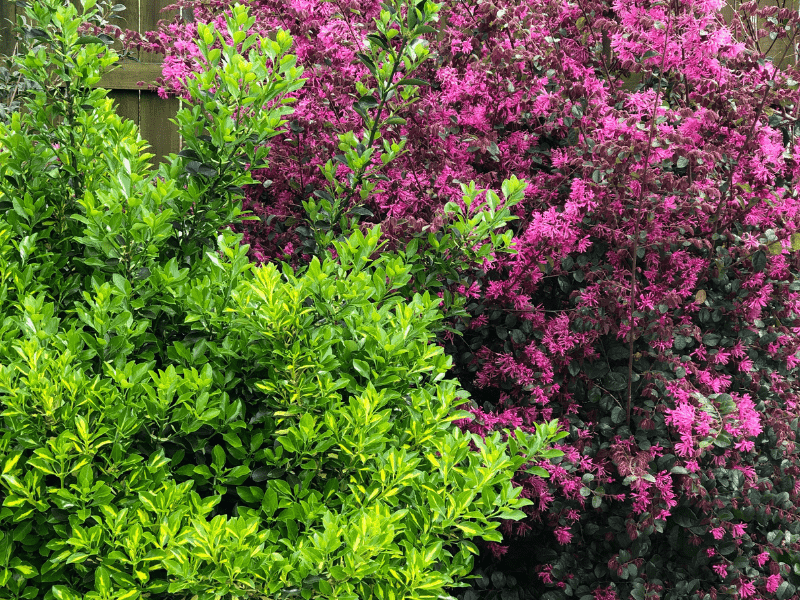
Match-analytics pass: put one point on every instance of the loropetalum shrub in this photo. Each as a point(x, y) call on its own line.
point(179, 423)
point(651, 303)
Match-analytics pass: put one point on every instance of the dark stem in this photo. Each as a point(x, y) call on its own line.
point(588, 21)
point(396, 58)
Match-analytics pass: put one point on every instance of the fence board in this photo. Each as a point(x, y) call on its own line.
point(8, 18)
point(135, 102)
point(126, 97)
point(155, 124)
point(127, 104)
point(154, 112)
point(774, 50)
point(128, 74)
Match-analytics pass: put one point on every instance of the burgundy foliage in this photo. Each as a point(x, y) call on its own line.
point(651, 305)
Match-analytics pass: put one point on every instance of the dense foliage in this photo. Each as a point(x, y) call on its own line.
point(651, 304)
point(178, 422)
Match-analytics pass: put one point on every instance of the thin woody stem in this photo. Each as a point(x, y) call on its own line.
point(637, 228)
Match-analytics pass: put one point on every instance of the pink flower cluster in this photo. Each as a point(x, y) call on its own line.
point(652, 296)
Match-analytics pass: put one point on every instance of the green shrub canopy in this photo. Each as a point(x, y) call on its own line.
point(179, 424)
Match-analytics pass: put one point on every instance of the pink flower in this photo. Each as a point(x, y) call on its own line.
point(745, 588)
point(773, 583)
point(563, 535)
point(545, 574)
point(551, 310)
point(606, 593)
point(718, 533)
point(761, 559)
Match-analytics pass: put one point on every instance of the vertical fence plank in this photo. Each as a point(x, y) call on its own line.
point(729, 10)
point(131, 19)
point(774, 50)
point(8, 19)
point(779, 50)
point(127, 103)
point(127, 100)
point(154, 112)
point(153, 12)
point(156, 127)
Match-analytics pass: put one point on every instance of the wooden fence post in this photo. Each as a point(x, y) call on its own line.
point(151, 113)
point(154, 112)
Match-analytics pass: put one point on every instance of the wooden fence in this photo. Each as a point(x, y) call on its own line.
point(776, 49)
point(152, 114)
point(134, 102)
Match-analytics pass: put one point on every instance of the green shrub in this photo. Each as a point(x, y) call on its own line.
point(179, 424)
